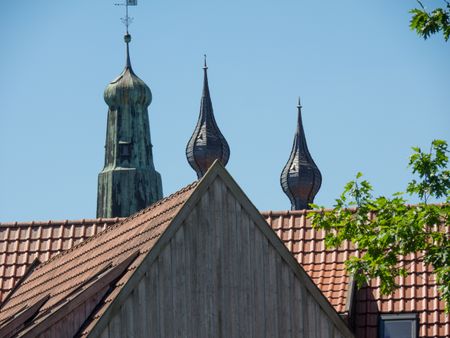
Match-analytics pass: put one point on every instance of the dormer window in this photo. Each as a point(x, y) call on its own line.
point(402, 325)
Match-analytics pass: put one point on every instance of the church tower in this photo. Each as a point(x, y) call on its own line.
point(207, 143)
point(129, 181)
point(300, 178)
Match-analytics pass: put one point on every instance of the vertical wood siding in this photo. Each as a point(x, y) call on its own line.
point(220, 277)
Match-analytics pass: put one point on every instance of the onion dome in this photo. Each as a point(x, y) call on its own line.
point(129, 181)
point(207, 143)
point(127, 88)
point(300, 178)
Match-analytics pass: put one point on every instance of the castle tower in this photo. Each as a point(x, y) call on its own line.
point(207, 143)
point(300, 178)
point(129, 181)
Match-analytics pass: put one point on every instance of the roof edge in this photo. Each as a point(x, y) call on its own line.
point(62, 222)
point(276, 213)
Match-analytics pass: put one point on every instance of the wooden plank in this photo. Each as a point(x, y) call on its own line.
point(310, 316)
point(271, 292)
point(141, 312)
point(279, 266)
point(126, 319)
point(161, 294)
point(193, 292)
point(188, 300)
point(325, 326)
point(165, 287)
point(122, 319)
point(234, 261)
point(152, 297)
point(105, 334)
point(267, 304)
point(243, 222)
point(298, 309)
point(201, 268)
point(257, 244)
point(284, 310)
point(210, 254)
point(252, 268)
point(219, 227)
point(239, 282)
point(114, 326)
point(291, 300)
point(228, 277)
point(180, 313)
point(132, 304)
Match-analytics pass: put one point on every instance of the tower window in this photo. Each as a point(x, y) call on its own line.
point(402, 325)
point(124, 149)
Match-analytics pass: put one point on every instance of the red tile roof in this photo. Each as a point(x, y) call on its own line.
point(325, 267)
point(417, 293)
point(21, 243)
point(64, 274)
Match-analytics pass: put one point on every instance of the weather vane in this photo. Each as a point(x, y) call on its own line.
point(126, 19)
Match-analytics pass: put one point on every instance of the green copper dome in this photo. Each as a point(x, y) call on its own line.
point(129, 181)
point(127, 88)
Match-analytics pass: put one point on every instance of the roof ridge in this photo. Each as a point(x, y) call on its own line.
point(304, 211)
point(114, 226)
point(66, 221)
point(290, 212)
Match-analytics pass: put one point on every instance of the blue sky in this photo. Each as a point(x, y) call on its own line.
point(370, 90)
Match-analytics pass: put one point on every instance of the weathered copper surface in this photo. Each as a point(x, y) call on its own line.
point(207, 143)
point(300, 178)
point(128, 181)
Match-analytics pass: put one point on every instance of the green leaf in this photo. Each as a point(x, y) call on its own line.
point(397, 229)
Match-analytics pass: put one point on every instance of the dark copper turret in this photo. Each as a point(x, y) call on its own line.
point(300, 178)
point(207, 143)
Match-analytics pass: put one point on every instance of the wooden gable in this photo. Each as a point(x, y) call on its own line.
point(219, 270)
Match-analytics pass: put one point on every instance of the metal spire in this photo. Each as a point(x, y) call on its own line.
point(300, 178)
point(127, 39)
point(127, 20)
point(207, 143)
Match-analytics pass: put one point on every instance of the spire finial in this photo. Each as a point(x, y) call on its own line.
point(205, 66)
point(127, 20)
point(299, 116)
point(299, 105)
point(127, 39)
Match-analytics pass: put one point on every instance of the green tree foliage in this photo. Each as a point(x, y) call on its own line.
point(427, 23)
point(396, 228)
